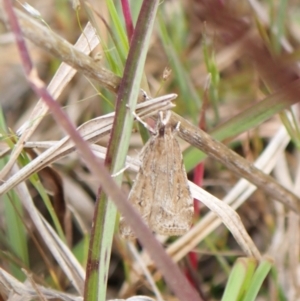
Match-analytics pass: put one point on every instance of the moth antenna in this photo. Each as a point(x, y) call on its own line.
point(164, 119)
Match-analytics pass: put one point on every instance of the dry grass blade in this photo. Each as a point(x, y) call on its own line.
point(51, 42)
point(86, 43)
point(92, 130)
point(15, 290)
point(286, 239)
point(60, 252)
point(236, 163)
point(229, 218)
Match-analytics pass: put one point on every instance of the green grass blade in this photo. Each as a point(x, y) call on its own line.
point(122, 44)
point(13, 212)
point(16, 233)
point(105, 214)
point(240, 275)
point(257, 280)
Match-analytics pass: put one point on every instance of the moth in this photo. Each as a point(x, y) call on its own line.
point(161, 192)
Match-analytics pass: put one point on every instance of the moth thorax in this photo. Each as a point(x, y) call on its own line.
point(161, 131)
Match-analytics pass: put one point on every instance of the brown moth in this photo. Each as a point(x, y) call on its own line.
point(161, 192)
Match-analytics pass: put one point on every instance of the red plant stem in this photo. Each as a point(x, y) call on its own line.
point(128, 19)
point(198, 179)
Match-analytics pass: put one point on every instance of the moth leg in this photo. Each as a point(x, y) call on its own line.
point(120, 171)
point(177, 128)
point(149, 128)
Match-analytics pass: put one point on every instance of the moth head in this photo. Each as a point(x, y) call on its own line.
point(163, 118)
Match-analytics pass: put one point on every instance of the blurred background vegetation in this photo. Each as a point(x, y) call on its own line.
point(226, 60)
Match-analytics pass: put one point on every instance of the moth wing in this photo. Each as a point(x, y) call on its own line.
point(172, 208)
point(141, 194)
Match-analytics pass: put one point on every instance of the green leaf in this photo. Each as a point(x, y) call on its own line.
point(257, 280)
point(239, 278)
